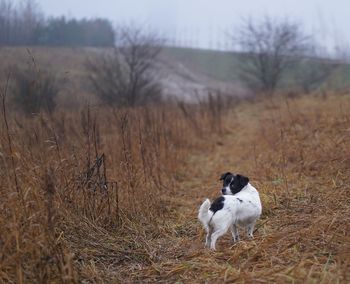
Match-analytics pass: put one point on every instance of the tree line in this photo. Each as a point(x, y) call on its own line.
point(24, 24)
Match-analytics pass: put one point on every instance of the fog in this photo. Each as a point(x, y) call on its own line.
point(204, 23)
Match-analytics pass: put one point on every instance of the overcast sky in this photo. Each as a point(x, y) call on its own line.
point(204, 22)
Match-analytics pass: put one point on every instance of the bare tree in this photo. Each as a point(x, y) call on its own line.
point(30, 17)
point(6, 19)
point(269, 47)
point(18, 23)
point(128, 76)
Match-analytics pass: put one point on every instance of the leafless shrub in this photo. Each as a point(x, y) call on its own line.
point(127, 76)
point(313, 74)
point(314, 69)
point(269, 48)
point(34, 90)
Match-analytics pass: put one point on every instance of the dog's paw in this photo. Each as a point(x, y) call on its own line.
point(236, 240)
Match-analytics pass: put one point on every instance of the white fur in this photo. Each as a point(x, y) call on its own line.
point(242, 209)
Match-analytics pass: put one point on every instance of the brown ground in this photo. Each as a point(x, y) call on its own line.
point(297, 155)
point(55, 226)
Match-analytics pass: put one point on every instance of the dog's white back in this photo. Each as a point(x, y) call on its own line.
point(243, 208)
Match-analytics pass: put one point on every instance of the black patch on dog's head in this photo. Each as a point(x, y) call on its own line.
point(235, 182)
point(227, 178)
point(217, 204)
point(239, 182)
point(224, 176)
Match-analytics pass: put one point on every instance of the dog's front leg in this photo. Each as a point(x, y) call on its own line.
point(208, 240)
point(250, 230)
point(235, 234)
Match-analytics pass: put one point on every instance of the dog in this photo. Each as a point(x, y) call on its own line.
point(239, 205)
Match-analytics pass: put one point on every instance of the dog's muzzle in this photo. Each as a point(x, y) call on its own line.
point(223, 191)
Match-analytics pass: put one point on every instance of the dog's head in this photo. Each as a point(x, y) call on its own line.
point(232, 183)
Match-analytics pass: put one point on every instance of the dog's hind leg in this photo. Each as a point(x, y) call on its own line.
point(208, 237)
point(235, 234)
point(215, 235)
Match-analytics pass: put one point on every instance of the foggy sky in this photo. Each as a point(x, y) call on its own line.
point(206, 21)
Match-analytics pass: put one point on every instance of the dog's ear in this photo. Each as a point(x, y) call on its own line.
point(223, 176)
point(243, 181)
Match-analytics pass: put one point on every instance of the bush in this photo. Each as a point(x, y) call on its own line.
point(127, 77)
point(270, 47)
point(34, 90)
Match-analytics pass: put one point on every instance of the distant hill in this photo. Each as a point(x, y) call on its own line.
point(185, 73)
point(223, 66)
point(219, 65)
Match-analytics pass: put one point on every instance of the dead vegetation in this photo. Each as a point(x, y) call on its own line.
point(111, 195)
point(83, 190)
point(296, 153)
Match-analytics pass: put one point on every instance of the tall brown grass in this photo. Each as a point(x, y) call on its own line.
point(79, 188)
point(296, 152)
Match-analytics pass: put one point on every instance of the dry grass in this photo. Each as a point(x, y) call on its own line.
point(81, 191)
point(297, 153)
point(112, 195)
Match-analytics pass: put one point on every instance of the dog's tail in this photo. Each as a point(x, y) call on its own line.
point(204, 214)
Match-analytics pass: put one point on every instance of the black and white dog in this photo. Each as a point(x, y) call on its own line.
point(239, 205)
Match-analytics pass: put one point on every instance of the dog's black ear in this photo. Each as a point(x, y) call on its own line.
point(243, 181)
point(223, 176)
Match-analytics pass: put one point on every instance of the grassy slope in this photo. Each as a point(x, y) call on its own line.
point(215, 64)
point(296, 153)
point(69, 63)
point(223, 66)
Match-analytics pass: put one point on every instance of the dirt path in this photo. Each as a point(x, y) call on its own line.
point(302, 235)
point(182, 256)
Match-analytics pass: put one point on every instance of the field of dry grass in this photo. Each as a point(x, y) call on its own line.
point(296, 153)
point(106, 195)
